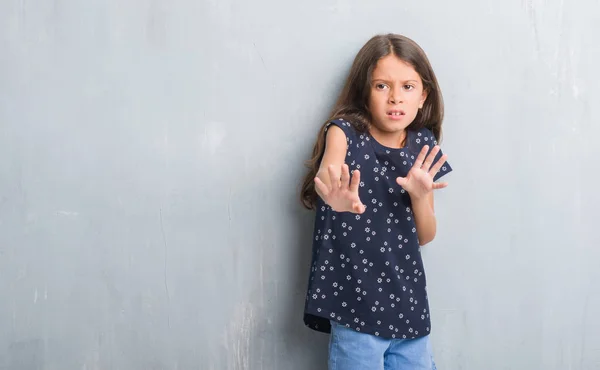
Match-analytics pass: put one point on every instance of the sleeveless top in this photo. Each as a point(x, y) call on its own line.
point(366, 270)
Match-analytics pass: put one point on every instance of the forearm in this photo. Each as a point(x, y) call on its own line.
point(424, 219)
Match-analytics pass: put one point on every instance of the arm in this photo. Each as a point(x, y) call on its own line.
point(335, 154)
point(333, 182)
point(425, 221)
point(419, 185)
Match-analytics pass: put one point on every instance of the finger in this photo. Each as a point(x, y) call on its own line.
point(324, 189)
point(439, 185)
point(355, 181)
point(334, 177)
point(421, 157)
point(430, 158)
point(438, 165)
point(358, 207)
point(345, 176)
point(401, 181)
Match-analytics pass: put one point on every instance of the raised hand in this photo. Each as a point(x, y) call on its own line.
point(419, 180)
point(341, 194)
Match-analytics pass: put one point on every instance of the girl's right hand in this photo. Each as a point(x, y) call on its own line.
point(341, 195)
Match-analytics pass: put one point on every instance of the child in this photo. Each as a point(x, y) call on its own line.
point(371, 182)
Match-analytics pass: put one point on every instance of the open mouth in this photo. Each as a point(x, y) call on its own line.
point(395, 113)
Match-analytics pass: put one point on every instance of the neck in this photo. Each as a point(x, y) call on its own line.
point(389, 139)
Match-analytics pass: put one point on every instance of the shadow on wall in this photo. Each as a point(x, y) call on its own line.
point(310, 347)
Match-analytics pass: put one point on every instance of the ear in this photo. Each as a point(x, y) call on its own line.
point(423, 98)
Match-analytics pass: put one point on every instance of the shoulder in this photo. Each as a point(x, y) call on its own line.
point(344, 126)
point(420, 138)
point(417, 139)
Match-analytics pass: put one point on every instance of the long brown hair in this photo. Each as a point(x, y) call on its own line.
point(353, 102)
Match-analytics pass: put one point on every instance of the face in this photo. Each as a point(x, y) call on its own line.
point(396, 95)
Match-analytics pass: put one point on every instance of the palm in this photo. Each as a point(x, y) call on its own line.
point(419, 180)
point(341, 194)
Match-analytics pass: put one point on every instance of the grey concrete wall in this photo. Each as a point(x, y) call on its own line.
point(151, 153)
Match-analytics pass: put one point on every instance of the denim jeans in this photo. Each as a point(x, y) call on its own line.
point(353, 350)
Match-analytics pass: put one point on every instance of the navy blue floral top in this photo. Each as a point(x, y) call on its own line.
point(366, 271)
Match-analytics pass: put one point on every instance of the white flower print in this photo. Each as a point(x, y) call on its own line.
point(390, 209)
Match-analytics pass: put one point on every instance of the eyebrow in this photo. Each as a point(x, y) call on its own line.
point(384, 80)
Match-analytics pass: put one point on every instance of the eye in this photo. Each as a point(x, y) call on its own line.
point(380, 86)
point(409, 87)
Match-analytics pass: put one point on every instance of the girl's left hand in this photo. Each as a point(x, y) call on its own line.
point(419, 180)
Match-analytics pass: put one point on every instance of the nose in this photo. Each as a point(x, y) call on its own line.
point(395, 96)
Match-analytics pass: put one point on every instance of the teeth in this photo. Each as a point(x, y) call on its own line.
point(396, 114)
